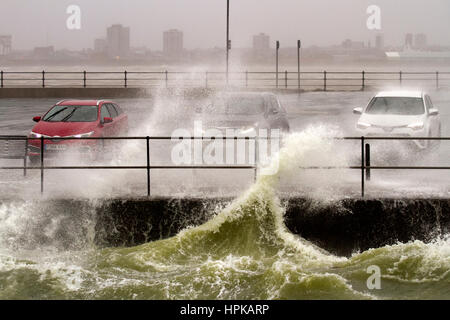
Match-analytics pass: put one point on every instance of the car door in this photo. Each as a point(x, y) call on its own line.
point(275, 115)
point(433, 120)
point(122, 120)
point(283, 116)
point(115, 125)
point(107, 128)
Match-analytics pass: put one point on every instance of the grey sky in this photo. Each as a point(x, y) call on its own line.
point(317, 22)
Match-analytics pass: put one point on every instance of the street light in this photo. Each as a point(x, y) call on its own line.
point(278, 48)
point(299, 45)
point(228, 44)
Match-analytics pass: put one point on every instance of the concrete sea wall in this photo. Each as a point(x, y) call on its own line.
point(341, 227)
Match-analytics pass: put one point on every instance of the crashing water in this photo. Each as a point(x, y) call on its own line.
point(243, 252)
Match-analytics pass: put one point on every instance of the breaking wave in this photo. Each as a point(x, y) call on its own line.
point(243, 252)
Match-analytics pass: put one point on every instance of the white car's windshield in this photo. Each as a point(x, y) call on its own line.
point(396, 106)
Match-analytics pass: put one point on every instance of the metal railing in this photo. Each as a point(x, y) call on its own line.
point(148, 167)
point(365, 167)
point(10, 150)
point(312, 80)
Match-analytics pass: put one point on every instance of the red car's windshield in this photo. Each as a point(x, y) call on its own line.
point(72, 114)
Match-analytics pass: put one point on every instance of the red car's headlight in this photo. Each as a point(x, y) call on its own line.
point(84, 135)
point(34, 135)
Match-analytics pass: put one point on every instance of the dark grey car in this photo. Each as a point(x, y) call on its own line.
point(245, 111)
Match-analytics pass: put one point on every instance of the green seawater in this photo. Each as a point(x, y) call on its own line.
point(244, 252)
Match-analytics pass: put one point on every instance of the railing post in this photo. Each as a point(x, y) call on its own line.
point(437, 79)
point(299, 45)
point(84, 79)
point(324, 81)
point(167, 79)
point(256, 157)
point(362, 166)
point(367, 162)
point(43, 79)
point(401, 77)
point(148, 165)
point(363, 80)
point(286, 79)
point(42, 164)
point(103, 144)
point(276, 78)
point(1, 78)
point(25, 158)
point(246, 79)
point(277, 49)
point(125, 78)
point(299, 81)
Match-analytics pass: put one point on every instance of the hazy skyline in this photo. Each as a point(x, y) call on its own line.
point(317, 22)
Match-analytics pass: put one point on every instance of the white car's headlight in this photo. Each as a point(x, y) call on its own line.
point(363, 125)
point(84, 135)
point(416, 126)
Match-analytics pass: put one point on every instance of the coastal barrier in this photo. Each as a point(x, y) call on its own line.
point(341, 227)
point(136, 83)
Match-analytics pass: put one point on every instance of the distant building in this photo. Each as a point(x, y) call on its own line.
point(420, 41)
point(44, 52)
point(118, 41)
point(5, 44)
point(379, 42)
point(261, 44)
point(173, 42)
point(409, 40)
point(100, 46)
point(349, 44)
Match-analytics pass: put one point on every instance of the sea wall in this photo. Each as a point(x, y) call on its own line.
point(350, 225)
point(97, 93)
point(116, 92)
point(341, 227)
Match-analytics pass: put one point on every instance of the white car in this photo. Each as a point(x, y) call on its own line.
point(400, 114)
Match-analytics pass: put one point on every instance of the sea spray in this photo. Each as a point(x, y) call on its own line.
point(244, 252)
point(413, 270)
point(251, 233)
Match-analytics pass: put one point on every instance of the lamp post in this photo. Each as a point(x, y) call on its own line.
point(228, 44)
point(299, 45)
point(278, 48)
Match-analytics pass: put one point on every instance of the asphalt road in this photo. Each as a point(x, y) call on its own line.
point(332, 111)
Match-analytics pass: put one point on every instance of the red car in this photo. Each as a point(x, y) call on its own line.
point(76, 119)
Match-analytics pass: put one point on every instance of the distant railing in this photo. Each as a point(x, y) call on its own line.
point(365, 166)
point(308, 80)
